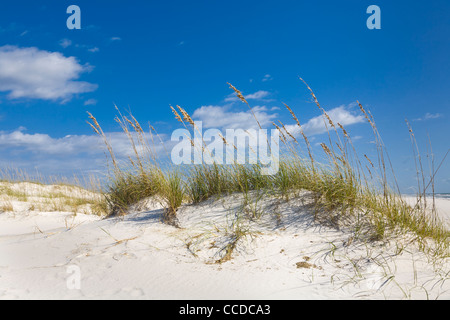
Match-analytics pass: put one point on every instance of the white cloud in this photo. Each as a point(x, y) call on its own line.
point(67, 155)
point(70, 145)
point(87, 152)
point(221, 117)
point(44, 143)
point(429, 116)
point(115, 39)
point(231, 98)
point(317, 125)
point(261, 94)
point(267, 77)
point(258, 95)
point(90, 102)
point(87, 47)
point(65, 43)
point(39, 74)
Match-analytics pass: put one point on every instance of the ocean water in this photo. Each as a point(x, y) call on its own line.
point(442, 195)
point(436, 195)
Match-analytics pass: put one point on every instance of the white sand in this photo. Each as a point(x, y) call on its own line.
point(138, 257)
point(442, 206)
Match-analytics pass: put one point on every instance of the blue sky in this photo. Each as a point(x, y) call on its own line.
point(146, 56)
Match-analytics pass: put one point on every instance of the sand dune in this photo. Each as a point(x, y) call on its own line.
point(290, 256)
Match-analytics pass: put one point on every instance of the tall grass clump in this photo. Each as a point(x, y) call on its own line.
point(348, 189)
point(128, 188)
point(172, 194)
point(206, 181)
point(141, 176)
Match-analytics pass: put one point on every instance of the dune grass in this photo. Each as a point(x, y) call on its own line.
point(21, 190)
point(349, 189)
point(6, 206)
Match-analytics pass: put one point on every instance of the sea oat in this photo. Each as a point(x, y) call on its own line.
point(177, 116)
point(369, 161)
point(343, 130)
point(326, 149)
point(239, 94)
point(283, 137)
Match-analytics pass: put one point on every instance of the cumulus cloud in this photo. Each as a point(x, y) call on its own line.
point(65, 43)
point(90, 102)
point(261, 94)
point(87, 152)
point(51, 155)
point(429, 116)
point(43, 143)
point(38, 74)
point(317, 125)
point(223, 118)
point(94, 49)
point(258, 95)
point(65, 155)
point(70, 145)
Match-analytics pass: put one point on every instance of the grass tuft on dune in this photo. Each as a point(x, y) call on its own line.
point(348, 189)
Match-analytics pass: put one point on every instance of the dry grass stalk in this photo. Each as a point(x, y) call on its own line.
point(241, 97)
point(98, 129)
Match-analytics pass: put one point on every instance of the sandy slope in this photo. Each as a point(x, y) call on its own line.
point(138, 257)
point(27, 196)
point(442, 207)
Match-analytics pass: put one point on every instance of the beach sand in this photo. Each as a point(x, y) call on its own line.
point(138, 257)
